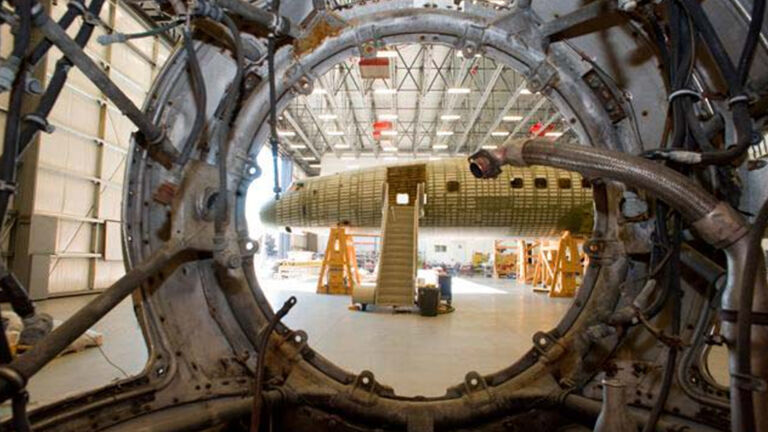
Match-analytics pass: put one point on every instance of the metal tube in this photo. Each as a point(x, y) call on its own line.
point(692, 201)
point(154, 138)
point(49, 347)
point(276, 23)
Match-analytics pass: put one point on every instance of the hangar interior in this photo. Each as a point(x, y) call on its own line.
point(346, 215)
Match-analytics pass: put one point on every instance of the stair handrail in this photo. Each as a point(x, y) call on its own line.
point(384, 219)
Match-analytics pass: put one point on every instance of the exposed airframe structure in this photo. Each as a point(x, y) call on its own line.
point(209, 327)
point(521, 202)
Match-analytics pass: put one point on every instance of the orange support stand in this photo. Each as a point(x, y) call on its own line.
point(339, 273)
point(544, 265)
point(567, 267)
point(524, 262)
point(504, 261)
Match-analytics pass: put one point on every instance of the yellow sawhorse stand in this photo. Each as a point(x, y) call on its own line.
point(567, 267)
point(339, 273)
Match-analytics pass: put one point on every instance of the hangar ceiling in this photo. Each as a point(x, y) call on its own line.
point(413, 101)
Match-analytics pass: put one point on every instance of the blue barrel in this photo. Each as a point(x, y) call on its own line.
point(444, 282)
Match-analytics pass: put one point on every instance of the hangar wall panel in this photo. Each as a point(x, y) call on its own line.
point(65, 237)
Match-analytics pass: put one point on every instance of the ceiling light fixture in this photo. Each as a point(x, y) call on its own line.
point(319, 91)
point(525, 91)
point(439, 147)
point(388, 132)
point(444, 133)
point(458, 90)
point(385, 91)
point(387, 116)
point(386, 53)
point(335, 133)
point(511, 118)
point(327, 116)
point(553, 134)
point(499, 133)
point(286, 133)
point(489, 147)
point(450, 117)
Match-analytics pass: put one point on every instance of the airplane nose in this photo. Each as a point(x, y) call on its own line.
point(268, 213)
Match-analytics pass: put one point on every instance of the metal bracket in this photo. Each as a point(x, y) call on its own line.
point(601, 89)
point(298, 344)
point(7, 186)
point(749, 382)
point(477, 390)
point(541, 77)
point(367, 41)
point(40, 122)
point(547, 346)
point(364, 389)
point(472, 40)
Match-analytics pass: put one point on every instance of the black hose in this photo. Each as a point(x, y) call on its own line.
point(753, 37)
point(754, 258)
point(273, 138)
point(197, 82)
point(13, 118)
point(263, 345)
point(74, 9)
point(56, 84)
point(738, 103)
point(673, 279)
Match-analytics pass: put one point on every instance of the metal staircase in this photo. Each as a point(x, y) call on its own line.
point(396, 279)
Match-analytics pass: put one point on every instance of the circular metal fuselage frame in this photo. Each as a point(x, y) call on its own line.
point(201, 323)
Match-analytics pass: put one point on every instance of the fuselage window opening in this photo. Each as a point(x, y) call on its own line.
point(452, 186)
point(540, 183)
point(564, 183)
point(516, 183)
point(586, 184)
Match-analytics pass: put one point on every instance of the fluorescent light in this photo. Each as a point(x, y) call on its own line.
point(319, 91)
point(461, 54)
point(355, 166)
point(390, 158)
point(389, 149)
point(385, 91)
point(387, 116)
point(499, 133)
point(489, 147)
point(315, 165)
point(439, 147)
point(386, 53)
point(434, 158)
point(444, 133)
point(525, 91)
point(308, 158)
point(459, 90)
point(450, 117)
point(553, 134)
point(511, 118)
point(342, 146)
point(297, 146)
point(388, 132)
point(286, 133)
point(334, 133)
point(348, 157)
point(327, 116)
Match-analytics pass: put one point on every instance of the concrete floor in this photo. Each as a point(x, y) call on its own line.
point(490, 329)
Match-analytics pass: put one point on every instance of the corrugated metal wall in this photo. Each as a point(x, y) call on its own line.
point(66, 238)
